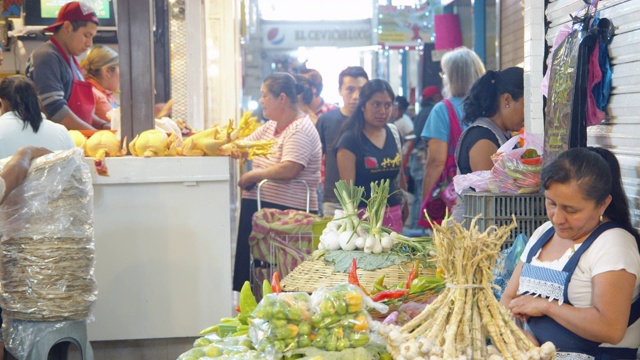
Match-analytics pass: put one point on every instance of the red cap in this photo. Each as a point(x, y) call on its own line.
point(73, 11)
point(430, 91)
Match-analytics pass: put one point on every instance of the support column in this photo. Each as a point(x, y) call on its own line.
point(136, 66)
point(479, 29)
point(534, 47)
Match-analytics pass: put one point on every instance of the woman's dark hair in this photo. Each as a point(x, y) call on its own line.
point(597, 174)
point(356, 121)
point(307, 92)
point(484, 97)
point(22, 97)
point(283, 83)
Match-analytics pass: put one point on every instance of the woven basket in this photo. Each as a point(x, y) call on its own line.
point(311, 274)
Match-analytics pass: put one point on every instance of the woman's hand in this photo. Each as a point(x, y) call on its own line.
point(525, 306)
point(248, 179)
point(35, 152)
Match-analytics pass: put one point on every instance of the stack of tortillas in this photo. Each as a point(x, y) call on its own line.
point(48, 253)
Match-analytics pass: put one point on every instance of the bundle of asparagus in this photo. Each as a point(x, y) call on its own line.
point(457, 324)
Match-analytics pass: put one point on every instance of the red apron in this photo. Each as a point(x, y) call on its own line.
point(81, 100)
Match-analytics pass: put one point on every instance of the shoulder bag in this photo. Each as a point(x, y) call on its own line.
point(440, 200)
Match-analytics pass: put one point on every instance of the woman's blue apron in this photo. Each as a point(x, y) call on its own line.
point(545, 328)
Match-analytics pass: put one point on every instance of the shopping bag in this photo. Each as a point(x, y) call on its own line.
point(516, 170)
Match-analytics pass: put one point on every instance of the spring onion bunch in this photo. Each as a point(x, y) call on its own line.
point(378, 240)
point(346, 230)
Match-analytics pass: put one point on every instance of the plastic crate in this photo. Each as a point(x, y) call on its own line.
point(497, 209)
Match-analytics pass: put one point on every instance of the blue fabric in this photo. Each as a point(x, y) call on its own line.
point(437, 126)
point(602, 90)
point(544, 274)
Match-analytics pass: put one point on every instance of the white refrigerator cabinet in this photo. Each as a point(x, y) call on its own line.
point(162, 237)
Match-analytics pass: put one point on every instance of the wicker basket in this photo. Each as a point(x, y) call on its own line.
point(311, 274)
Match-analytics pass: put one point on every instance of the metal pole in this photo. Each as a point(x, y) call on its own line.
point(479, 29)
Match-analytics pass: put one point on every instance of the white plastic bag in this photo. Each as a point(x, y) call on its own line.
point(114, 117)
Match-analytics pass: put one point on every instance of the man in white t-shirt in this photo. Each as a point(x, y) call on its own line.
point(400, 119)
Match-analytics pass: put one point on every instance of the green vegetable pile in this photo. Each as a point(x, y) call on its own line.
point(212, 346)
point(339, 320)
point(281, 323)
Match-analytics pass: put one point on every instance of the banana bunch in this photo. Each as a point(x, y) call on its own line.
point(154, 142)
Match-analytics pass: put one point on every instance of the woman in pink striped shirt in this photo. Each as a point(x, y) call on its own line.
point(298, 154)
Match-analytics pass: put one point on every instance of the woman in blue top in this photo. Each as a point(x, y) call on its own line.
point(369, 148)
point(461, 68)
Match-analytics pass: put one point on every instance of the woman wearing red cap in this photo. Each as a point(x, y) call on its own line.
point(66, 96)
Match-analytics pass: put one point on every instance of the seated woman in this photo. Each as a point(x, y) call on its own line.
point(369, 148)
point(22, 122)
point(578, 281)
point(102, 70)
point(298, 153)
point(492, 110)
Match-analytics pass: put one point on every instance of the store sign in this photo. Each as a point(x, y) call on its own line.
point(405, 26)
point(290, 34)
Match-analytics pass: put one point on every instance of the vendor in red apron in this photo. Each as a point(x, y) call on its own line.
point(66, 97)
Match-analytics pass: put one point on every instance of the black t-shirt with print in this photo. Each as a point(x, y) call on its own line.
point(374, 163)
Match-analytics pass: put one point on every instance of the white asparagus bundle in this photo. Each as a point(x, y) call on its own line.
point(459, 322)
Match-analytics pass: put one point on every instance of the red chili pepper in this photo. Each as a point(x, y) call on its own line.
point(275, 283)
point(532, 161)
point(413, 274)
point(353, 276)
point(389, 294)
point(238, 309)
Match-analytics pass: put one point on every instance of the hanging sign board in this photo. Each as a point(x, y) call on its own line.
point(294, 34)
point(405, 26)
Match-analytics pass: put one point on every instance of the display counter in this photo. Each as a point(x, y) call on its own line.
point(162, 238)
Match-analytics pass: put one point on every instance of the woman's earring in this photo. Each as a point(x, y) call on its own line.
point(507, 105)
point(601, 218)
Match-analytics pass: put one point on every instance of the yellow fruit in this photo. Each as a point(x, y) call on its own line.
point(78, 138)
